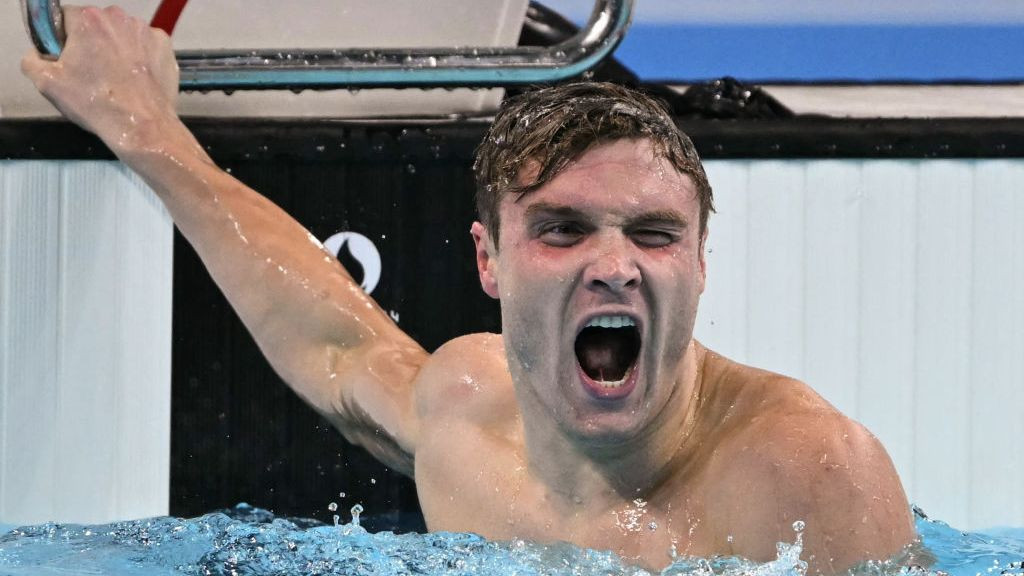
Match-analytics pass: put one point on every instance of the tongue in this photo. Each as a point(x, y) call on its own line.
point(604, 354)
point(599, 362)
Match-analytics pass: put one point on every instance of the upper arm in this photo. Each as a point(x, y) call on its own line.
point(366, 390)
point(858, 510)
point(814, 465)
point(385, 391)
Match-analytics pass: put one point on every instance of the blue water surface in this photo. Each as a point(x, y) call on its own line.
point(251, 541)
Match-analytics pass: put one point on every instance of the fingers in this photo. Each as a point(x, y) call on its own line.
point(111, 21)
point(77, 16)
point(116, 11)
point(74, 18)
point(105, 48)
point(38, 69)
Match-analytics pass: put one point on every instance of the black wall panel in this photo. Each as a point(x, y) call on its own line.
point(238, 433)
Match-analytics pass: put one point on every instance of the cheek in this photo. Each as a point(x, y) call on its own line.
point(543, 269)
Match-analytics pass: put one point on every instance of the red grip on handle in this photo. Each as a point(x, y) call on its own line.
point(167, 14)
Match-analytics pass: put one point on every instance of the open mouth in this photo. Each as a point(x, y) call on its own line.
point(607, 349)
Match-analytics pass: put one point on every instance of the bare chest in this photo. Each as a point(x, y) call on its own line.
point(484, 487)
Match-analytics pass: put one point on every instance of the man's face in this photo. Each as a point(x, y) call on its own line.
point(599, 273)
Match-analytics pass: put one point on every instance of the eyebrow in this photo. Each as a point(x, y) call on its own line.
point(654, 217)
point(550, 209)
point(663, 217)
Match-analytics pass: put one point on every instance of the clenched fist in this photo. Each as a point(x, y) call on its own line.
point(116, 76)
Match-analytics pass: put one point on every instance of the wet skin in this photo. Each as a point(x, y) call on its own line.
point(615, 234)
point(703, 456)
point(505, 435)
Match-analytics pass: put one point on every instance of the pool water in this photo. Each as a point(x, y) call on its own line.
point(251, 541)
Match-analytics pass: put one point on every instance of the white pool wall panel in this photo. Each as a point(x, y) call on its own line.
point(85, 343)
point(894, 288)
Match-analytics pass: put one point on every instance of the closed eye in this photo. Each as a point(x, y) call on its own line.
point(653, 238)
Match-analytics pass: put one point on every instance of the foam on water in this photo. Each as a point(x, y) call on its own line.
point(250, 541)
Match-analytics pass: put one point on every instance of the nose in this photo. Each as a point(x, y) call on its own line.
point(613, 267)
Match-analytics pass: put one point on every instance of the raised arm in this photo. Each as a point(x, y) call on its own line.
point(327, 339)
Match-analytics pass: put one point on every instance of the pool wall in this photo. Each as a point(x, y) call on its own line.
point(894, 288)
point(85, 342)
point(880, 260)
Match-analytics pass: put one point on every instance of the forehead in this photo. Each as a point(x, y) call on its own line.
point(623, 173)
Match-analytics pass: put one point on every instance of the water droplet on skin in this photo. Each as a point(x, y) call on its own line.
point(798, 526)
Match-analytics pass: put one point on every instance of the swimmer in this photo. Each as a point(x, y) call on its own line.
point(594, 417)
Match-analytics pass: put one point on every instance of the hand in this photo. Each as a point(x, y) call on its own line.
point(116, 76)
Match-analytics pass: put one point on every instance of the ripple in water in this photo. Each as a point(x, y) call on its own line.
point(250, 541)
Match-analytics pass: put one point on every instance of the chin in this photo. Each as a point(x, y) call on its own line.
point(606, 428)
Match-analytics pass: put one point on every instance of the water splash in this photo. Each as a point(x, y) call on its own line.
point(251, 541)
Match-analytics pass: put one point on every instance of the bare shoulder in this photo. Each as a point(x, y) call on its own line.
point(812, 463)
point(465, 378)
point(779, 412)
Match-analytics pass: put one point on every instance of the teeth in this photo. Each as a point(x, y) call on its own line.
point(611, 322)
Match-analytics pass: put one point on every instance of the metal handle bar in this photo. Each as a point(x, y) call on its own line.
point(367, 68)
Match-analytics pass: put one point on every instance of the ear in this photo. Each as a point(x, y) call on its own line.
point(486, 263)
point(701, 261)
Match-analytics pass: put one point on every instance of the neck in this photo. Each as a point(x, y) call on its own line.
point(634, 467)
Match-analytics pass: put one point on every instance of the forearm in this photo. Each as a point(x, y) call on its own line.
point(291, 293)
point(118, 78)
